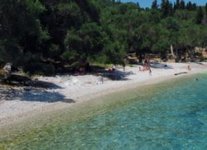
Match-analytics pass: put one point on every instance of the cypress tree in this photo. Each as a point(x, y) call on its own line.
point(199, 15)
point(206, 13)
point(189, 6)
point(154, 4)
point(194, 6)
point(166, 8)
point(138, 6)
point(182, 4)
point(177, 4)
point(206, 8)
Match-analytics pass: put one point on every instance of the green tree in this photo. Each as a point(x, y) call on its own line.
point(21, 30)
point(154, 5)
point(206, 9)
point(39, 33)
point(199, 15)
point(177, 4)
point(205, 14)
point(166, 8)
point(182, 4)
point(189, 6)
point(85, 44)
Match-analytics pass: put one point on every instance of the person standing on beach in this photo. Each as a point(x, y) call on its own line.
point(102, 79)
point(150, 71)
point(124, 65)
point(140, 69)
point(189, 68)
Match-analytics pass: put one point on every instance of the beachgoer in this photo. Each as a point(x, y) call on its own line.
point(150, 71)
point(102, 80)
point(113, 68)
point(189, 68)
point(124, 67)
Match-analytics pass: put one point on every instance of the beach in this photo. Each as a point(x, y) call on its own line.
point(19, 103)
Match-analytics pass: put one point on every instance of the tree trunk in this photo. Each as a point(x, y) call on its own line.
point(172, 51)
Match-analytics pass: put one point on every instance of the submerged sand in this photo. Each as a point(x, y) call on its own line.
point(19, 103)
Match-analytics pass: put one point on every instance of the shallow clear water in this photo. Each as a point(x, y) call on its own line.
point(172, 116)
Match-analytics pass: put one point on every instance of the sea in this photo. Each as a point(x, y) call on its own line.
point(164, 116)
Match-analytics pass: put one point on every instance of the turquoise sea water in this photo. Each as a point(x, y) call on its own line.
point(170, 115)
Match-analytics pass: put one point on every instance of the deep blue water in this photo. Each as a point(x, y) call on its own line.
point(169, 116)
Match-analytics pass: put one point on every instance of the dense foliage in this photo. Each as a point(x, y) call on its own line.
point(47, 35)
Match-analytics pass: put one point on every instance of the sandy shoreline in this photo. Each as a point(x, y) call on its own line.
point(73, 90)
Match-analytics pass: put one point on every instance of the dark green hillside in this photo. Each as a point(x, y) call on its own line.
point(44, 36)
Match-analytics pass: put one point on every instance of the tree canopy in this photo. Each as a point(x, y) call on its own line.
point(40, 34)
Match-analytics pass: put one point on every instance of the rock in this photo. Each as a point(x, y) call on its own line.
point(5, 71)
point(7, 68)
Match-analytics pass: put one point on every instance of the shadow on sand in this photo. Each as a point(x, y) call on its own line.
point(43, 84)
point(25, 89)
point(32, 95)
point(117, 75)
point(19, 80)
point(160, 65)
point(43, 96)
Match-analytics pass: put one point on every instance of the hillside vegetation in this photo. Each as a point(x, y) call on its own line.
point(46, 36)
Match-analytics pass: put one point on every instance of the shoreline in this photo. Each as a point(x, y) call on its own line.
point(17, 111)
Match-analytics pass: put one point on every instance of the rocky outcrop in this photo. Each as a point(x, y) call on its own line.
point(5, 72)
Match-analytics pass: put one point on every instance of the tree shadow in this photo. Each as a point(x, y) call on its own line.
point(44, 84)
point(160, 65)
point(199, 63)
point(117, 75)
point(19, 80)
point(101, 70)
point(33, 95)
point(110, 74)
